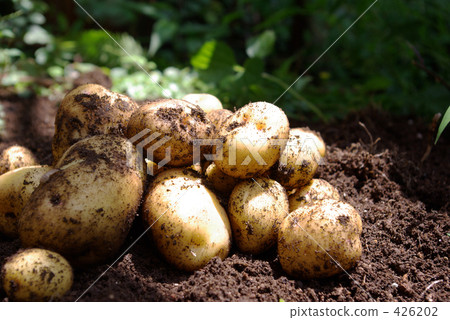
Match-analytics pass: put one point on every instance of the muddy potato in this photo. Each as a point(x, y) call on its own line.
point(298, 162)
point(16, 188)
point(90, 110)
point(207, 102)
point(256, 209)
point(253, 138)
point(167, 131)
point(313, 139)
point(316, 189)
point(16, 157)
point(314, 233)
point(86, 207)
point(220, 181)
point(36, 275)
point(189, 226)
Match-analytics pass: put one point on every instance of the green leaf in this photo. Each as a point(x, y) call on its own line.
point(163, 31)
point(261, 46)
point(444, 123)
point(37, 35)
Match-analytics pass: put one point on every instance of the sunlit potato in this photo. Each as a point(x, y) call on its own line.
point(220, 181)
point(206, 101)
point(16, 157)
point(316, 189)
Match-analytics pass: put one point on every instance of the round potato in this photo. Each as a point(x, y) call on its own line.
point(166, 131)
point(90, 110)
point(36, 275)
point(16, 157)
point(298, 162)
point(86, 207)
point(256, 209)
point(316, 236)
point(220, 181)
point(313, 139)
point(188, 225)
point(253, 138)
point(316, 189)
point(16, 188)
point(206, 101)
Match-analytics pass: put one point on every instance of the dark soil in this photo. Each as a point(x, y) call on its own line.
point(404, 205)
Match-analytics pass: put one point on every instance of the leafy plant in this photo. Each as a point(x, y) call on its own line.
point(443, 125)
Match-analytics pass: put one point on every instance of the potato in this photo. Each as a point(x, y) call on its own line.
point(90, 110)
point(16, 188)
point(298, 162)
point(176, 124)
point(16, 157)
point(313, 139)
point(316, 189)
point(188, 225)
point(256, 209)
point(253, 138)
point(36, 275)
point(207, 102)
point(218, 118)
point(85, 209)
point(220, 181)
point(315, 236)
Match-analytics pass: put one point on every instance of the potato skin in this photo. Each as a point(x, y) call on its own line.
point(316, 231)
point(256, 209)
point(90, 110)
point(207, 102)
point(36, 275)
point(313, 139)
point(316, 189)
point(16, 157)
point(298, 162)
point(16, 188)
point(188, 225)
point(258, 127)
point(178, 120)
point(85, 209)
point(220, 181)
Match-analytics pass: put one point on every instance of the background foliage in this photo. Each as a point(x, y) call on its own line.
point(395, 57)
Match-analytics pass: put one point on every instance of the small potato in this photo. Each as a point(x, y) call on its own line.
point(220, 181)
point(313, 139)
point(298, 162)
point(36, 275)
point(315, 236)
point(90, 110)
point(86, 207)
point(188, 225)
point(253, 138)
point(16, 188)
point(219, 117)
point(206, 101)
point(166, 130)
point(256, 209)
point(16, 157)
point(316, 189)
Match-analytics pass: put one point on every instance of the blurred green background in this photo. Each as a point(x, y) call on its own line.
point(396, 57)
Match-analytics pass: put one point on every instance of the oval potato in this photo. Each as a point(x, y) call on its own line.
point(36, 275)
point(16, 188)
point(316, 189)
point(16, 157)
point(315, 236)
point(207, 102)
point(256, 209)
point(220, 181)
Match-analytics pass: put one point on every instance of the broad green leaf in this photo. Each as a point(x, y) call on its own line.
point(262, 45)
point(163, 31)
point(444, 123)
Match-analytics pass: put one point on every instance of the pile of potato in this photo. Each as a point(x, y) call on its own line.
point(249, 183)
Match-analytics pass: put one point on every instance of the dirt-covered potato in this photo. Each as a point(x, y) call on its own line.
point(298, 162)
point(36, 275)
point(86, 207)
point(168, 130)
point(220, 181)
point(16, 188)
point(315, 236)
point(256, 209)
point(218, 118)
point(253, 138)
point(313, 139)
point(206, 101)
point(189, 226)
point(316, 189)
point(16, 157)
point(90, 110)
